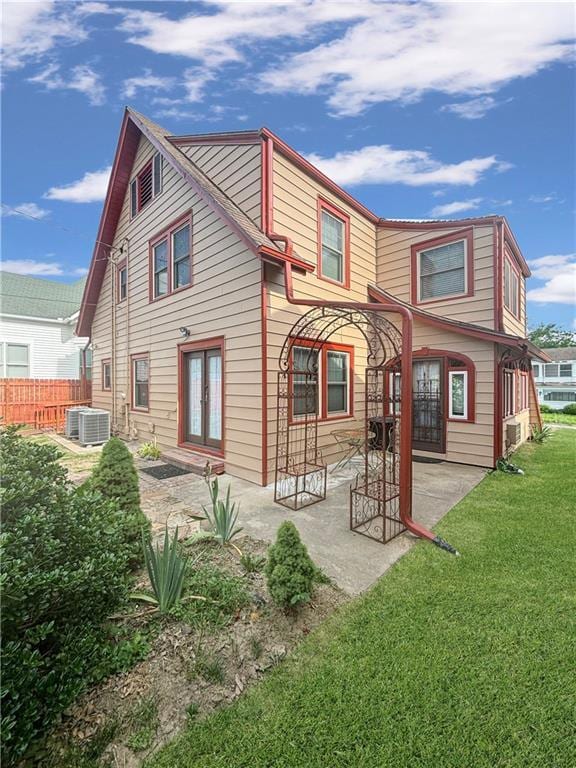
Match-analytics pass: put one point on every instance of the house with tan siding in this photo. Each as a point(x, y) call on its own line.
point(206, 246)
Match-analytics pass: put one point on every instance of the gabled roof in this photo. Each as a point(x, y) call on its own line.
point(24, 296)
point(556, 354)
point(133, 126)
point(457, 326)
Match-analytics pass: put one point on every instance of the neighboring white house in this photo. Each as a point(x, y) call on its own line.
point(37, 321)
point(556, 381)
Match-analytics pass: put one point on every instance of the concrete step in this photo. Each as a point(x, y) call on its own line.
point(193, 462)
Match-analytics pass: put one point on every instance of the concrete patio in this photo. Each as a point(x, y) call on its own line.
point(352, 560)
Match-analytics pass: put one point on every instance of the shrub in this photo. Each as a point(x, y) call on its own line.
point(149, 451)
point(115, 477)
point(546, 408)
point(570, 409)
point(64, 569)
point(290, 572)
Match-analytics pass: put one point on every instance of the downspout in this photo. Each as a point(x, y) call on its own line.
point(128, 371)
point(112, 263)
point(406, 368)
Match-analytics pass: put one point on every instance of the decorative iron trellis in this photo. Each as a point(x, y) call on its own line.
point(301, 471)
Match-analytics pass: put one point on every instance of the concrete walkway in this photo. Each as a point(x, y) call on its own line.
point(352, 560)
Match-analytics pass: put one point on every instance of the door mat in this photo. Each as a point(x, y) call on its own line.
point(164, 471)
point(426, 460)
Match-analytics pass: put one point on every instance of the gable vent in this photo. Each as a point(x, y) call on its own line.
point(145, 186)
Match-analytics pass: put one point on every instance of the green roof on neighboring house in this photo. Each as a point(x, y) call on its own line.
point(37, 297)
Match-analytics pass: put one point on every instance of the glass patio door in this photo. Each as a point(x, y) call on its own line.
point(428, 411)
point(203, 397)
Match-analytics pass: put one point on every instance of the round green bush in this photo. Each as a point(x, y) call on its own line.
point(116, 478)
point(290, 573)
point(546, 408)
point(570, 409)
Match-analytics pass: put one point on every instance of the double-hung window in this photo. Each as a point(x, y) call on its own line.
point(536, 370)
point(14, 360)
point(551, 370)
point(106, 375)
point(171, 258)
point(441, 271)
point(565, 370)
point(321, 382)
point(146, 185)
point(140, 382)
point(333, 241)
point(122, 281)
point(511, 288)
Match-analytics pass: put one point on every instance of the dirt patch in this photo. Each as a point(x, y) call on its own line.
point(195, 665)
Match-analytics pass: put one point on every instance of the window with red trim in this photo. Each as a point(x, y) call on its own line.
point(322, 381)
point(511, 288)
point(522, 390)
point(140, 382)
point(147, 185)
point(122, 281)
point(333, 244)
point(106, 375)
point(443, 268)
point(171, 259)
point(508, 392)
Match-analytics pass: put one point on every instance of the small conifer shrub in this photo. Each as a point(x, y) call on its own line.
point(116, 478)
point(290, 573)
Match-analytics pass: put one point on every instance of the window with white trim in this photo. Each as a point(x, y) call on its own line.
point(14, 360)
point(147, 185)
point(332, 239)
point(511, 288)
point(536, 369)
point(458, 394)
point(551, 370)
point(122, 282)
point(160, 268)
point(442, 271)
point(140, 382)
point(106, 375)
point(561, 397)
point(337, 382)
point(565, 370)
point(509, 392)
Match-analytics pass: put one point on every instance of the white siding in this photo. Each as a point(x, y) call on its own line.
point(54, 350)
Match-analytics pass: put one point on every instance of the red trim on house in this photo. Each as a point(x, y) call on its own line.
point(119, 267)
point(231, 137)
point(324, 205)
point(195, 346)
point(323, 382)
point(467, 235)
point(512, 243)
point(166, 234)
point(266, 201)
point(509, 259)
point(133, 358)
point(264, 353)
point(469, 366)
point(497, 292)
point(282, 257)
point(105, 361)
point(312, 171)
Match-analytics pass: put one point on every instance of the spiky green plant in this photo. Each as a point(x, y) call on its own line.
point(166, 571)
point(224, 514)
point(540, 434)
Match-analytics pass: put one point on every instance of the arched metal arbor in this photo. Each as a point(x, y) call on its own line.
point(382, 487)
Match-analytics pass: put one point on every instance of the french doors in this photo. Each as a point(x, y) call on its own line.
point(201, 389)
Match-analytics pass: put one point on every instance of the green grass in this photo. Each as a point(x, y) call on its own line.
point(446, 663)
point(558, 418)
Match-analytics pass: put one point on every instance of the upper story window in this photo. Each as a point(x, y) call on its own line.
point(14, 361)
point(333, 244)
point(171, 258)
point(442, 268)
point(122, 281)
point(511, 288)
point(536, 369)
point(565, 370)
point(86, 364)
point(146, 185)
point(551, 370)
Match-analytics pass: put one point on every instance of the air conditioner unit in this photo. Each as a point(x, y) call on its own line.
point(71, 425)
point(513, 433)
point(93, 426)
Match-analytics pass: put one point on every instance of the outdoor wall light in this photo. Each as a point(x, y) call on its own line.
point(184, 331)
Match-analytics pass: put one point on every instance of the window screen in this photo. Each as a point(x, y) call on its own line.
point(332, 233)
point(442, 271)
point(17, 361)
point(161, 268)
point(337, 381)
point(565, 370)
point(181, 257)
point(141, 383)
point(551, 370)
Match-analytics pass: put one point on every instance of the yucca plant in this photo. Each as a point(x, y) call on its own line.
point(540, 435)
point(224, 514)
point(166, 571)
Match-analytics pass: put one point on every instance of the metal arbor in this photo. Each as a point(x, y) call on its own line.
point(378, 492)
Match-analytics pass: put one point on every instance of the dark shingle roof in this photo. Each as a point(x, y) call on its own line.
point(36, 297)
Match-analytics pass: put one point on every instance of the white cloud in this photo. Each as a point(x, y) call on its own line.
point(91, 188)
point(32, 267)
point(82, 78)
point(146, 81)
point(25, 210)
point(559, 274)
point(458, 206)
point(382, 164)
point(30, 30)
point(400, 51)
point(473, 109)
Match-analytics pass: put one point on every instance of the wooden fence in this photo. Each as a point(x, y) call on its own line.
point(41, 403)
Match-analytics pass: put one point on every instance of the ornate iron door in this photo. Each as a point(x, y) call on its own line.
point(428, 427)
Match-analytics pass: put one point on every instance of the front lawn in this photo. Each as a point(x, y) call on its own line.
point(559, 418)
point(447, 662)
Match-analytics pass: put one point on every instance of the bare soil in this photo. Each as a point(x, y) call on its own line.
point(191, 671)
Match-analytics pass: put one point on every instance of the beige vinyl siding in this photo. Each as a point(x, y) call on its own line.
point(393, 272)
point(295, 199)
point(224, 300)
point(512, 324)
point(236, 169)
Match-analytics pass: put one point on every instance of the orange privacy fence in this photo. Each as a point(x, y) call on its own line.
point(41, 403)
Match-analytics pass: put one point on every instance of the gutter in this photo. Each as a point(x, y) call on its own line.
point(287, 259)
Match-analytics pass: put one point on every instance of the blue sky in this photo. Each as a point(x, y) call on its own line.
point(418, 109)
